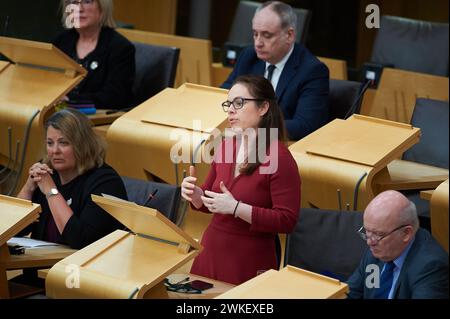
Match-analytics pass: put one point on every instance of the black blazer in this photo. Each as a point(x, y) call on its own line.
point(424, 274)
point(111, 69)
point(302, 89)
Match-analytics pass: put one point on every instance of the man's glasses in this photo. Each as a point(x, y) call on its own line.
point(83, 2)
point(238, 103)
point(376, 238)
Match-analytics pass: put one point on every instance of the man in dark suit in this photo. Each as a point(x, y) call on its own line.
point(403, 261)
point(300, 80)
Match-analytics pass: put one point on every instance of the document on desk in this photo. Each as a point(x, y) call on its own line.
point(29, 243)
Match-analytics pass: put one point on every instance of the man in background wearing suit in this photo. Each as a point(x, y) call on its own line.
point(300, 80)
point(403, 261)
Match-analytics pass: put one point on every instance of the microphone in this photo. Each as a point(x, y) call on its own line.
point(356, 105)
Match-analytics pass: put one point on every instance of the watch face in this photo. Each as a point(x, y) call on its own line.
point(53, 191)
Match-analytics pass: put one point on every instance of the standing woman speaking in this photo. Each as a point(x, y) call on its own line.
point(107, 56)
point(251, 199)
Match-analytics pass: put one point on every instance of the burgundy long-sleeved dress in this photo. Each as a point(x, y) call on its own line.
point(234, 250)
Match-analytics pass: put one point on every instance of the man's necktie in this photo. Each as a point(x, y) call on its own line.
point(270, 69)
point(386, 280)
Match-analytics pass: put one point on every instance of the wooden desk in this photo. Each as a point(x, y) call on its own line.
point(33, 258)
point(350, 171)
point(439, 214)
point(288, 283)
point(219, 288)
point(396, 95)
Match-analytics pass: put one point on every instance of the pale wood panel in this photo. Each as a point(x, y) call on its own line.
point(141, 133)
point(149, 15)
point(398, 90)
point(41, 76)
point(219, 73)
point(337, 68)
point(194, 63)
point(120, 265)
point(334, 159)
point(16, 215)
point(288, 283)
point(439, 214)
point(144, 220)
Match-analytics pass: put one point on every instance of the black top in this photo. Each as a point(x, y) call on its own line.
point(89, 222)
point(111, 69)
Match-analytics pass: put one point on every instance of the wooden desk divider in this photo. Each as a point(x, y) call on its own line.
point(342, 162)
point(140, 141)
point(396, 95)
point(288, 283)
point(17, 214)
point(38, 76)
point(439, 214)
point(124, 264)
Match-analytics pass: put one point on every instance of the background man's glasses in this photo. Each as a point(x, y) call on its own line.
point(377, 238)
point(238, 103)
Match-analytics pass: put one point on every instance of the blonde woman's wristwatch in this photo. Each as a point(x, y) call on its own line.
point(53, 191)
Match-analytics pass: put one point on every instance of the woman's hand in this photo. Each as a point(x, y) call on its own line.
point(191, 192)
point(222, 203)
point(35, 175)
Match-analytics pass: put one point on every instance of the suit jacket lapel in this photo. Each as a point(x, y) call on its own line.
point(289, 70)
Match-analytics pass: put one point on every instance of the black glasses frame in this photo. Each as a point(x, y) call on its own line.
point(238, 103)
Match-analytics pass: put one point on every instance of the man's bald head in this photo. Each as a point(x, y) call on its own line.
point(392, 218)
point(392, 207)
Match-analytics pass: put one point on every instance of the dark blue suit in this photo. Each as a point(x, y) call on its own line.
point(424, 274)
point(302, 89)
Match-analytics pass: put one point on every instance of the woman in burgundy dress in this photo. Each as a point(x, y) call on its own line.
point(253, 187)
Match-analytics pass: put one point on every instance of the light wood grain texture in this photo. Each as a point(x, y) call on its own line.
point(16, 215)
point(178, 118)
point(125, 264)
point(140, 141)
point(439, 214)
point(396, 95)
point(194, 63)
point(288, 283)
point(38, 79)
point(149, 15)
point(334, 158)
point(337, 68)
point(404, 175)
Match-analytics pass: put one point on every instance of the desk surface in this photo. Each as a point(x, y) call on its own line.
point(218, 289)
point(37, 257)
